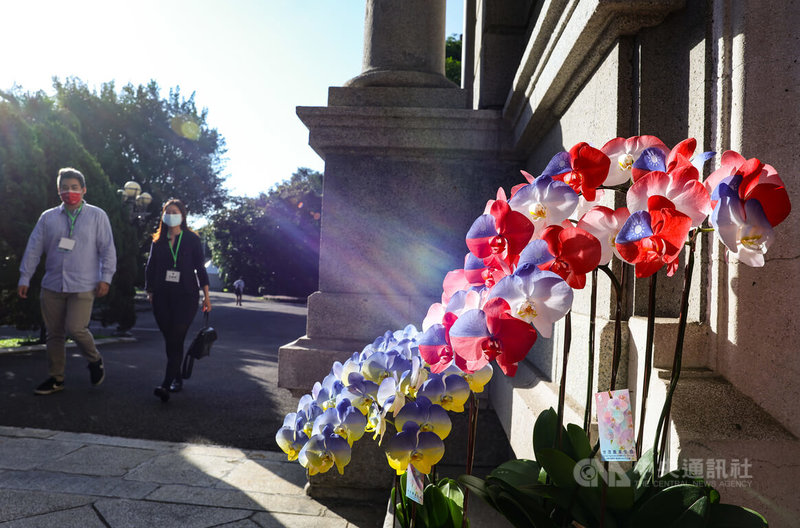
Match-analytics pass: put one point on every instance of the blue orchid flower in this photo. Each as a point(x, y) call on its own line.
point(535, 296)
point(476, 380)
point(451, 391)
point(290, 437)
point(346, 421)
point(545, 202)
point(427, 415)
point(361, 392)
point(421, 449)
point(323, 451)
point(325, 393)
point(308, 410)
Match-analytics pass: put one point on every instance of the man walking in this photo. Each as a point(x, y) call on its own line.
point(238, 288)
point(80, 261)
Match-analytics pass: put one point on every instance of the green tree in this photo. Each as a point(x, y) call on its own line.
point(452, 58)
point(272, 241)
point(163, 143)
point(45, 135)
point(22, 181)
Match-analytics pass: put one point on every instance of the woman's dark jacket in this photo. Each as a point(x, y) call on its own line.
point(190, 260)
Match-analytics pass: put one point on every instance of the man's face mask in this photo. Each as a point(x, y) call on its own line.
point(71, 192)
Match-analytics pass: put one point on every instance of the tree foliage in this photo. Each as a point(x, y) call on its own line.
point(452, 58)
point(272, 241)
point(164, 144)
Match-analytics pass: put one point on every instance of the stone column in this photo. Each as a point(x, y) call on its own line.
point(404, 44)
point(408, 168)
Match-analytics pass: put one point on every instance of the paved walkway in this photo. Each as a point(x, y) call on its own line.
point(50, 478)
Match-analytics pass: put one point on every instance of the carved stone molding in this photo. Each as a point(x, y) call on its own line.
point(568, 42)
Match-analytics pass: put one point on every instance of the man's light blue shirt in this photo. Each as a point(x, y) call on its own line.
point(91, 260)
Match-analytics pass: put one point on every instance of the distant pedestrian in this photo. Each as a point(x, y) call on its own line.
point(238, 288)
point(174, 275)
point(79, 264)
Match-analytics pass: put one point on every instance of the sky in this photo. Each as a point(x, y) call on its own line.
point(249, 62)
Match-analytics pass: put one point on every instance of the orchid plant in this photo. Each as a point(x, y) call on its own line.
point(527, 253)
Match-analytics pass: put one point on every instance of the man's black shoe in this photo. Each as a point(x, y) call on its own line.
point(50, 386)
point(96, 372)
point(162, 392)
point(176, 386)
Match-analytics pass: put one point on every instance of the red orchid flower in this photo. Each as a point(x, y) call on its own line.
point(586, 171)
point(499, 237)
point(481, 336)
point(679, 189)
point(681, 154)
point(760, 181)
point(435, 348)
point(652, 239)
point(575, 253)
point(486, 272)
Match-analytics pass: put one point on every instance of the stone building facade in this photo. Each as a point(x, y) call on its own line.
point(410, 161)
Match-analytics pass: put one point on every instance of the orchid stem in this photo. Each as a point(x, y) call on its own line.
point(587, 416)
point(562, 391)
point(471, 438)
point(663, 421)
point(396, 491)
point(648, 361)
point(617, 322)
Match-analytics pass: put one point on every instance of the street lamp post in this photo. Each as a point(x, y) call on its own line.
point(137, 201)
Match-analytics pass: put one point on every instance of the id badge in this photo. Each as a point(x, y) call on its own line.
point(66, 244)
point(173, 276)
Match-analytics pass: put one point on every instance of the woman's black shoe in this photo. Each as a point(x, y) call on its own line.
point(162, 393)
point(176, 386)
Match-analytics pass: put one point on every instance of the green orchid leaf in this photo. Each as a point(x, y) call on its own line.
point(669, 504)
point(713, 496)
point(730, 516)
point(521, 515)
point(435, 508)
point(642, 473)
point(559, 466)
point(477, 486)
point(620, 498)
point(455, 500)
point(544, 432)
point(451, 490)
point(399, 508)
point(543, 476)
point(696, 516)
point(517, 473)
point(580, 442)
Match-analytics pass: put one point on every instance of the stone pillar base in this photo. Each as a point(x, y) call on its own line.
point(367, 478)
point(306, 360)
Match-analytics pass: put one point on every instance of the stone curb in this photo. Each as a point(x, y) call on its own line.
point(33, 348)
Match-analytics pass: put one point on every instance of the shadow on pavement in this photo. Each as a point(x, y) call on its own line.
point(232, 398)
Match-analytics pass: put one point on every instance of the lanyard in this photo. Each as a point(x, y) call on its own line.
point(174, 250)
point(73, 218)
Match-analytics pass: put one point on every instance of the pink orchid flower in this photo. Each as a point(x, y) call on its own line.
point(624, 153)
point(680, 190)
point(604, 223)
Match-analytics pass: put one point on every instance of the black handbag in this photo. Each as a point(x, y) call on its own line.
point(200, 347)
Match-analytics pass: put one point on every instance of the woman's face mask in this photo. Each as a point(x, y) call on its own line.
point(172, 220)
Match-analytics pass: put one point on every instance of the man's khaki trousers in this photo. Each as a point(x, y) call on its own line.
point(67, 314)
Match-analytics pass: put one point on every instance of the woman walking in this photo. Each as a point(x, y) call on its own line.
point(175, 273)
